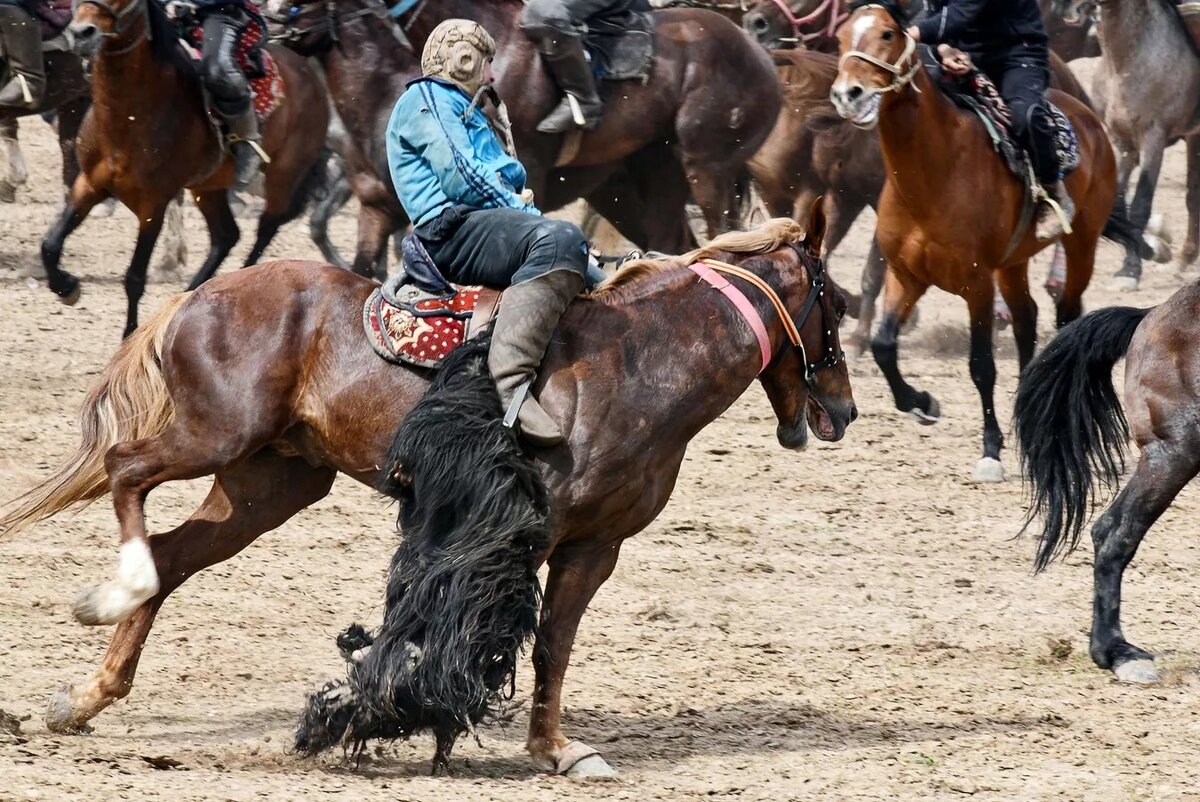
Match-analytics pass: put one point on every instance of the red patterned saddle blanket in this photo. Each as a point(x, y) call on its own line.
point(421, 328)
point(253, 59)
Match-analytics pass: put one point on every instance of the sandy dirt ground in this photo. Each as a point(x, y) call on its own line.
point(852, 622)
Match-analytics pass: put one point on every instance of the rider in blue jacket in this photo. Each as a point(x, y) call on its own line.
point(1007, 40)
point(466, 196)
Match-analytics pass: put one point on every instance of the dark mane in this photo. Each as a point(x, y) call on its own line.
point(164, 37)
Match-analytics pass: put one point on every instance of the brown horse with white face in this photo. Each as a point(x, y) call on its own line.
point(952, 215)
point(263, 379)
point(148, 136)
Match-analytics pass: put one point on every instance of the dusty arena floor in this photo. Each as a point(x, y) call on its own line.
point(853, 622)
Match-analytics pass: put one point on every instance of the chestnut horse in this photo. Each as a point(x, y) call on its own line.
point(1073, 438)
point(951, 212)
point(186, 397)
point(709, 103)
point(148, 136)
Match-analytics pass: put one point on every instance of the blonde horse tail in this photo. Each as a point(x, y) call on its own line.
point(129, 402)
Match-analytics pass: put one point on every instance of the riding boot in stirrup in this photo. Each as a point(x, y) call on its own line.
point(581, 106)
point(528, 316)
point(244, 143)
point(1054, 222)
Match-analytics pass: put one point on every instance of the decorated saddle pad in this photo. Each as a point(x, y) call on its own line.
point(418, 327)
point(977, 93)
point(253, 59)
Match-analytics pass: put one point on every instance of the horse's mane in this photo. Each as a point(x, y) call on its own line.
point(769, 236)
point(164, 37)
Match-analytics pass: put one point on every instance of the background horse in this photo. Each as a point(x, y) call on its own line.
point(1073, 437)
point(951, 212)
point(274, 423)
point(148, 136)
point(709, 103)
point(1148, 92)
point(68, 95)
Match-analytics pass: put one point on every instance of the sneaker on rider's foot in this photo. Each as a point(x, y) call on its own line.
point(1049, 223)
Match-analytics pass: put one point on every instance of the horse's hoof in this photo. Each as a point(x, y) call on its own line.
point(927, 417)
point(8, 192)
point(1140, 672)
point(989, 469)
point(1123, 283)
point(581, 762)
point(60, 716)
point(1161, 249)
point(71, 296)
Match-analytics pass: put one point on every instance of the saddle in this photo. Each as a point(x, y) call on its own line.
point(976, 93)
point(253, 59)
point(417, 317)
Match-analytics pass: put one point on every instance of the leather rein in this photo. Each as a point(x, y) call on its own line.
point(705, 268)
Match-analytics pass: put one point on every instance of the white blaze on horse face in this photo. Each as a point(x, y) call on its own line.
point(861, 25)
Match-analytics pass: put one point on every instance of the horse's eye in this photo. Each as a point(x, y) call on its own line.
point(887, 36)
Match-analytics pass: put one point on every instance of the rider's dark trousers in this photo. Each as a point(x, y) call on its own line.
point(1021, 76)
point(229, 88)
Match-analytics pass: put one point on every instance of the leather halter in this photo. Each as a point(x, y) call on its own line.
point(829, 31)
point(707, 269)
point(900, 77)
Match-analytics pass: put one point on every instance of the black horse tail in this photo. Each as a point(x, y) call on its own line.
point(1070, 428)
point(462, 591)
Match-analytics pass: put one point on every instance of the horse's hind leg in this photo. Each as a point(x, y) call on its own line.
point(18, 172)
point(1079, 248)
point(246, 501)
point(872, 284)
point(1153, 145)
point(1191, 246)
point(1163, 469)
point(149, 226)
point(223, 232)
point(983, 374)
point(575, 576)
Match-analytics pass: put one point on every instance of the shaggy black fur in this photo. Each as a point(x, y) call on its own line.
point(462, 593)
point(1070, 428)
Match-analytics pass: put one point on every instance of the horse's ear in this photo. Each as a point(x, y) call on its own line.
point(815, 232)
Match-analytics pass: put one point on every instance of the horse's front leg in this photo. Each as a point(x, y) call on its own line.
point(899, 299)
point(575, 575)
point(1151, 156)
point(150, 223)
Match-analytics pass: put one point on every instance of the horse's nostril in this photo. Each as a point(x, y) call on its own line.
point(853, 413)
point(759, 24)
point(855, 93)
point(83, 31)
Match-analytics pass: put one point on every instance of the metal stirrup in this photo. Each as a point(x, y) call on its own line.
point(518, 400)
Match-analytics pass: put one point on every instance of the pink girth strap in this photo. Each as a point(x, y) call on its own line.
point(743, 305)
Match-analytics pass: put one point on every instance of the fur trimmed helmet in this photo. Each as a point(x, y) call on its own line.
point(457, 51)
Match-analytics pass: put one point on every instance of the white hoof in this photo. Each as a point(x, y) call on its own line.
point(592, 767)
point(1123, 283)
point(60, 715)
point(1161, 248)
point(1141, 672)
point(989, 470)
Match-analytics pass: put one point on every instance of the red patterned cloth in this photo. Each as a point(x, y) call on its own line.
point(398, 335)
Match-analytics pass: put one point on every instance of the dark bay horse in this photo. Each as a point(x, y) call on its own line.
point(710, 102)
point(950, 212)
point(274, 423)
point(148, 136)
point(1073, 438)
point(68, 95)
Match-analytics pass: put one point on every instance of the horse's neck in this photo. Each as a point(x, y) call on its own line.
point(128, 84)
point(1131, 31)
point(362, 89)
point(498, 17)
point(657, 321)
point(917, 129)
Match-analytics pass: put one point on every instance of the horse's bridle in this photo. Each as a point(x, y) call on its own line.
point(830, 7)
point(900, 76)
point(816, 293)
